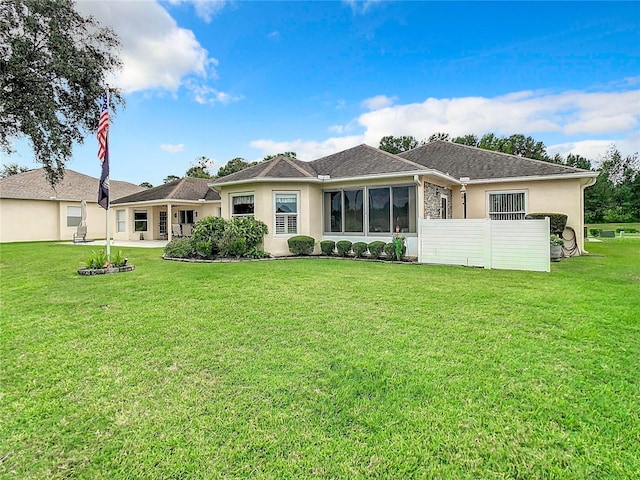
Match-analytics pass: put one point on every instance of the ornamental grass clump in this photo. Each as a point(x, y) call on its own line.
point(301, 245)
point(327, 247)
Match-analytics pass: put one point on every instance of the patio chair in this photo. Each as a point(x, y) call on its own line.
point(80, 234)
point(176, 230)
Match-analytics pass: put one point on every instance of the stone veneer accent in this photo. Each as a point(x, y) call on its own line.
point(432, 195)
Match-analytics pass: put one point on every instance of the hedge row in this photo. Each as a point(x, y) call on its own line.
point(303, 245)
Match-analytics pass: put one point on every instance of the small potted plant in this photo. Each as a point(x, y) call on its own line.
point(556, 244)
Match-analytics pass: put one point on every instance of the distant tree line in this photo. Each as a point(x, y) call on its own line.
point(614, 198)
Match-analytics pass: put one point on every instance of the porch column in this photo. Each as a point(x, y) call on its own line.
point(169, 222)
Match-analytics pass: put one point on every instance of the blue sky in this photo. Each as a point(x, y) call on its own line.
point(246, 79)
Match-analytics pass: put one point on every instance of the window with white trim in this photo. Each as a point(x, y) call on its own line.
point(121, 221)
point(74, 216)
point(242, 205)
point(140, 220)
point(286, 213)
point(509, 205)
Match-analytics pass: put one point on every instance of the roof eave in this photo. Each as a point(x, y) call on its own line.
point(534, 178)
point(165, 202)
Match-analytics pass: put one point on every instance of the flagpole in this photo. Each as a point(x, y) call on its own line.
point(106, 213)
point(103, 155)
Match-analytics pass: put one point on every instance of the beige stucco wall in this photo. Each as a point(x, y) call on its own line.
point(201, 210)
point(40, 220)
point(543, 196)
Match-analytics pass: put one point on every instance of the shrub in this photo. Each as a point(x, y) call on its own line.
point(376, 248)
point(400, 246)
point(255, 252)
point(595, 232)
point(232, 245)
point(557, 221)
point(252, 230)
point(119, 259)
point(208, 229)
point(179, 248)
point(343, 247)
point(627, 230)
point(359, 249)
point(390, 250)
point(97, 259)
point(203, 248)
point(301, 245)
point(327, 247)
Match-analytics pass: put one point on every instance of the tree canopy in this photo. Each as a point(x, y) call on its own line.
point(234, 165)
point(9, 169)
point(53, 69)
point(397, 145)
point(200, 169)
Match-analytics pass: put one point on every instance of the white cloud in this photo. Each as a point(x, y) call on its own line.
point(378, 102)
point(307, 149)
point(205, 9)
point(204, 94)
point(275, 35)
point(590, 122)
point(361, 6)
point(156, 52)
point(172, 148)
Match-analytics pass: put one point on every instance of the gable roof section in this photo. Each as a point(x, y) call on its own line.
point(276, 168)
point(187, 188)
point(461, 161)
point(33, 185)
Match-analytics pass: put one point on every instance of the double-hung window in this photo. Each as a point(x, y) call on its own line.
point(121, 221)
point(510, 205)
point(74, 216)
point(242, 205)
point(286, 216)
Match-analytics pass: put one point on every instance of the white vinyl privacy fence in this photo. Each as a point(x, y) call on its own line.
point(502, 244)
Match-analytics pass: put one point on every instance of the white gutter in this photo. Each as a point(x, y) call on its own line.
point(535, 178)
point(164, 202)
point(414, 173)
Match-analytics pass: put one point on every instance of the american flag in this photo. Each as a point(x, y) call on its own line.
point(103, 128)
point(103, 154)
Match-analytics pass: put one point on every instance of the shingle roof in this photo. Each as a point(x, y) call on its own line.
point(278, 167)
point(460, 161)
point(33, 185)
point(186, 188)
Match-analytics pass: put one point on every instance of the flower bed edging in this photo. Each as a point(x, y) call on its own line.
point(105, 271)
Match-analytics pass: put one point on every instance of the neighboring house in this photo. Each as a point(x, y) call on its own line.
point(163, 212)
point(366, 194)
point(31, 210)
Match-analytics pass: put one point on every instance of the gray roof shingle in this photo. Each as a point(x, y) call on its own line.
point(186, 188)
point(33, 185)
point(461, 161)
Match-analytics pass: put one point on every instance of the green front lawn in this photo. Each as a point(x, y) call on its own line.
point(318, 368)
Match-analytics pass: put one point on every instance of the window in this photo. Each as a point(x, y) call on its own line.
point(507, 205)
point(242, 205)
point(140, 220)
point(443, 207)
point(286, 217)
point(186, 216)
point(379, 210)
point(74, 216)
point(387, 209)
point(163, 223)
point(121, 222)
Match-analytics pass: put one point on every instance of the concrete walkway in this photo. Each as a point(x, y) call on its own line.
point(123, 244)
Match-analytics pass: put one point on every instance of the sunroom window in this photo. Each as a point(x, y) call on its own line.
point(507, 205)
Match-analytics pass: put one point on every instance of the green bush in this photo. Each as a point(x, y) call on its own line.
point(390, 250)
point(97, 259)
point(359, 249)
point(252, 230)
point(232, 245)
point(203, 248)
point(627, 230)
point(557, 221)
point(327, 247)
point(343, 247)
point(595, 232)
point(119, 259)
point(376, 248)
point(208, 229)
point(301, 245)
point(401, 247)
point(255, 252)
point(179, 248)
